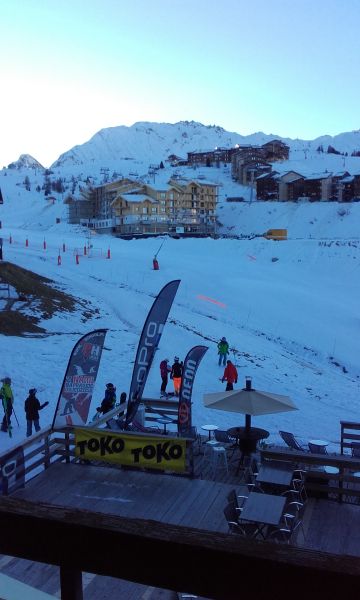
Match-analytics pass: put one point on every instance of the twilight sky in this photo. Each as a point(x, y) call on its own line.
point(72, 67)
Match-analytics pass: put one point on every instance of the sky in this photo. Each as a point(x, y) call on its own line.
point(288, 309)
point(71, 68)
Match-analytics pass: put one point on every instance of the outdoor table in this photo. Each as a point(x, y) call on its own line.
point(275, 477)
point(322, 443)
point(263, 509)
point(209, 428)
point(165, 421)
point(247, 439)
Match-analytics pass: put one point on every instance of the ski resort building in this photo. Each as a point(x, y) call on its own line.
point(129, 208)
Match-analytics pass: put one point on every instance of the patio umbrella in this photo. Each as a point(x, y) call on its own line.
point(249, 402)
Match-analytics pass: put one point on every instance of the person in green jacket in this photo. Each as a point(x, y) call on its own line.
point(223, 351)
point(7, 398)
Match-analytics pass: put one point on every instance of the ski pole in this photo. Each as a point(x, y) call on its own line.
point(16, 419)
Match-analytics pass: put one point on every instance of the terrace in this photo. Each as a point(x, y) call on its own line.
point(106, 525)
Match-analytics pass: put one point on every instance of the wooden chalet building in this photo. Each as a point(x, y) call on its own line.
point(267, 186)
point(128, 208)
point(276, 150)
point(248, 165)
point(211, 157)
point(250, 162)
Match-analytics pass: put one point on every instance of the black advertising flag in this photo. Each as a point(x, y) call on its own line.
point(149, 341)
point(76, 392)
point(191, 363)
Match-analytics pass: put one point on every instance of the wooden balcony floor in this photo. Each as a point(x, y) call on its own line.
point(198, 502)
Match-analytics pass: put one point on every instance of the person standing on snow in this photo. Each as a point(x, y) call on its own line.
point(7, 398)
point(32, 407)
point(176, 374)
point(223, 351)
point(164, 372)
point(230, 375)
point(109, 400)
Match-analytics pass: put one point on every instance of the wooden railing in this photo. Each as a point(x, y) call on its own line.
point(343, 486)
point(48, 446)
point(350, 432)
point(218, 565)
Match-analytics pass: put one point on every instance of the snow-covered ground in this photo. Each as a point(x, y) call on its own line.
point(290, 310)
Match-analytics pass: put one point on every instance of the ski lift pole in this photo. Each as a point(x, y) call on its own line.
point(159, 249)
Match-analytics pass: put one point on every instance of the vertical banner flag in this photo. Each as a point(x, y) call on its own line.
point(148, 344)
point(191, 363)
point(75, 396)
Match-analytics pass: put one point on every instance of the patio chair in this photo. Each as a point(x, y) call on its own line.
point(279, 535)
point(298, 484)
point(294, 518)
point(250, 481)
point(291, 441)
point(234, 498)
point(223, 437)
point(237, 526)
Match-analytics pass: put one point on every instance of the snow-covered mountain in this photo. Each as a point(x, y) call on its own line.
point(154, 142)
point(132, 149)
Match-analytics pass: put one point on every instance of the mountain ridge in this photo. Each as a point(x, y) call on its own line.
point(147, 141)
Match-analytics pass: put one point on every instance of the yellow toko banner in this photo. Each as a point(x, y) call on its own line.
point(130, 449)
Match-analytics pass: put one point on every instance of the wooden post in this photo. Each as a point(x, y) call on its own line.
point(71, 584)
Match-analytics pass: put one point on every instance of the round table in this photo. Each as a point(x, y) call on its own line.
point(322, 443)
point(247, 439)
point(165, 421)
point(209, 428)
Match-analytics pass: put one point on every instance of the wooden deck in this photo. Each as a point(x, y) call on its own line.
point(195, 502)
point(130, 493)
point(166, 498)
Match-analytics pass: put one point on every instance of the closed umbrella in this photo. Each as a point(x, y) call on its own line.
point(249, 402)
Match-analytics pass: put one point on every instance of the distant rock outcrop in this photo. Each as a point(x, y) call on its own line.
point(26, 161)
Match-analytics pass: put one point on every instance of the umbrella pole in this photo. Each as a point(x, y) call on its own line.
point(247, 423)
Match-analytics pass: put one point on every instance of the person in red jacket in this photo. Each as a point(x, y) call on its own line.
point(230, 375)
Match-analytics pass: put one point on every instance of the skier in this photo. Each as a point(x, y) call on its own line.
point(7, 397)
point(230, 375)
point(223, 351)
point(164, 372)
point(32, 407)
point(109, 400)
point(176, 374)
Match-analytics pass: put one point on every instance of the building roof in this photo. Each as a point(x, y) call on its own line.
point(315, 176)
point(138, 198)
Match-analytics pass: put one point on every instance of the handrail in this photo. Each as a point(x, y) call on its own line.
point(317, 480)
